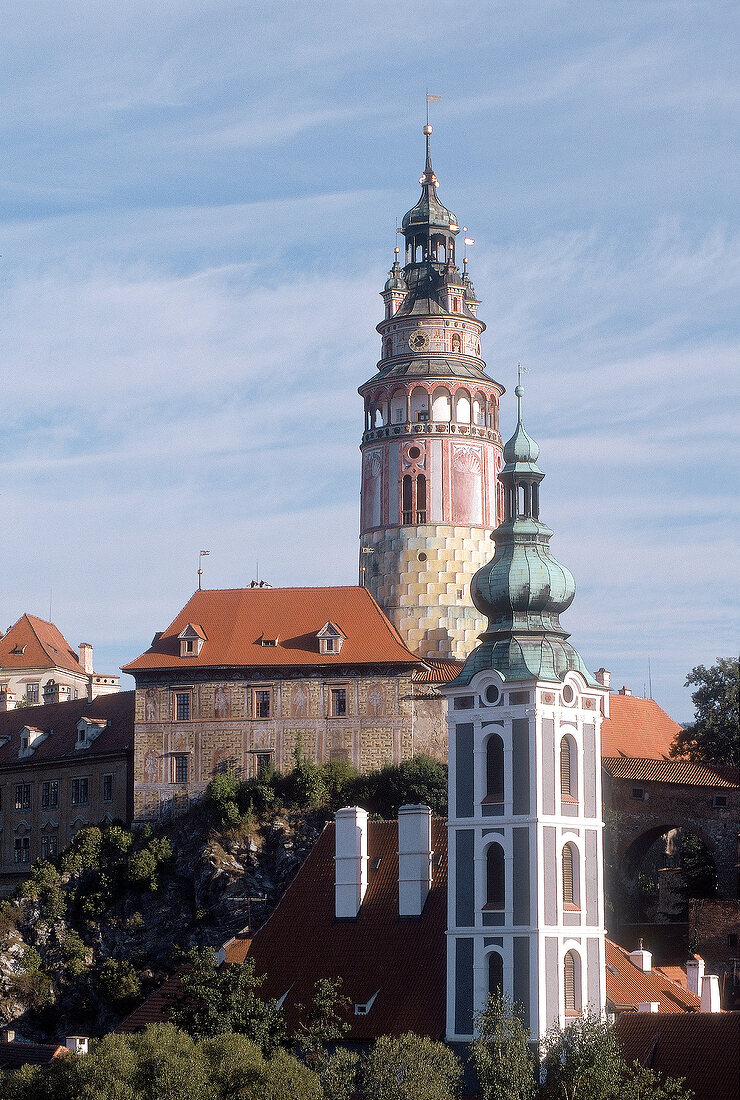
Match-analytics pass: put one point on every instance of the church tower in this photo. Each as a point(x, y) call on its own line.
point(526, 895)
point(431, 449)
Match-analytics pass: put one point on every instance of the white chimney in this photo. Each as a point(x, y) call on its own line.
point(86, 658)
point(350, 861)
point(710, 994)
point(603, 677)
point(694, 974)
point(642, 959)
point(77, 1043)
point(414, 859)
point(624, 691)
point(648, 1006)
point(7, 1035)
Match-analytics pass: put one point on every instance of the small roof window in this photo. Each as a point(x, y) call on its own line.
point(331, 639)
point(191, 640)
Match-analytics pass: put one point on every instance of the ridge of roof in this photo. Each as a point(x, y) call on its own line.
point(49, 640)
point(637, 728)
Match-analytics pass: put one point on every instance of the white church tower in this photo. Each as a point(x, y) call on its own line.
point(526, 894)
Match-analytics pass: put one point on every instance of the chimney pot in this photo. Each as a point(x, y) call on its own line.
point(7, 1035)
point(624, 691)
point(77, 1043)
point(414, 859)
point(694, 974)
point(350, 861)
point(642, 959)
point(86, 658)
point(603, 677)
point(648, 1006)
point(710, 1000)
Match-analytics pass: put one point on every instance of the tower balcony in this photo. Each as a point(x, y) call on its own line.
point(430, 427)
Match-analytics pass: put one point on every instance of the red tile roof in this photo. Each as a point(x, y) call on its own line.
point(234, 620)
point(703, 1047)
point(62, 719)
point(637, 728)
point(437, 671)
point(627, 986)
point(672, 771)
point(43, 645)
point(15, 1054)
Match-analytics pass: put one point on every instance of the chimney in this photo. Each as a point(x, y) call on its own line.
point(710, 994)
point(648, 1006)
point(77, 1043)
point(414, 859)
point(86, 658)
point(350, 861)
point(624, 691)
point(7, 1035)
point(603, 677)
point(642, 959)
point(694, 974)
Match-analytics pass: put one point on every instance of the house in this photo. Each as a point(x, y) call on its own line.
point(703, 1048)
point(62, 766)
point(245, 677)
point(38, 665)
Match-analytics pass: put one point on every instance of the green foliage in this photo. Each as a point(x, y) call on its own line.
point(410, 1067)
point(240, 1071)
point(321, 1025)
point(222, 794)
point(84, 852)
point(30, 959)
point(503, 1061)
point(640, 1083)
point(419, 780)
point(144, 865)
point(44, 884)
point(119, 982)
point(218, 999)
point(713, 735)
point(75, 954)
point(339, 775)
point(582, 1061)
point(698, 867)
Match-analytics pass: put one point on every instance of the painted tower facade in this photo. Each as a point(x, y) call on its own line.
point(431, 449)
point(525, 907)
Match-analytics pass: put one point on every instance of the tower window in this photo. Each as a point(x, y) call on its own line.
point(494, 769)
point(572, 983)
point(495, 877)
point(495, 974)
point(456, 343)
point(568, 771)
point(571, 899)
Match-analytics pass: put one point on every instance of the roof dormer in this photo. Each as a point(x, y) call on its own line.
point(269, 641)
point(330, 639)
point(31, 738)
point(191, 640)
point(88, 729)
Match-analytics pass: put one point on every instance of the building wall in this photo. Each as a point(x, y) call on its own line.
point(16, 683)
point(34, 821)
point(224, 729)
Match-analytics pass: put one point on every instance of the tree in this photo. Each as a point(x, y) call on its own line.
point(217, 999)
point(503, 1061)
point(713, 735)
point(582, 1061)
point(322, 1025)
point(640, 1083)
point(411, 1067)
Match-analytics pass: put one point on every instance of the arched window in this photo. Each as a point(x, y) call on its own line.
point(571, 896)
point(568, 770)
point(421, 499)
point(407, 502)
point(494, 769)
point(572, 982)
point(495, 973)
point(495, 877)
point(456, 342)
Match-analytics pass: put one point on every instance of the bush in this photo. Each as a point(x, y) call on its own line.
point(410, 1067)
point(144, 866)
point(30, 959)
point(222, 794)
point(119, 982)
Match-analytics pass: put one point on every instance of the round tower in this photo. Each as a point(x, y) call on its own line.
point(431, 449)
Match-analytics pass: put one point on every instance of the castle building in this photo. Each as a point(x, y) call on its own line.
point(431, 449)
point(526, 890)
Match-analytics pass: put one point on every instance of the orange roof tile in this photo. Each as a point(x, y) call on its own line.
point(703, 1047)
point(437, 671)
point(672, 771)
point(43, 646)
point(628, 986)
point(637, 728)
point(234, 620)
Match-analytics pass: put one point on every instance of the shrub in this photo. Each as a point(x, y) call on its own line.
point(119, 982)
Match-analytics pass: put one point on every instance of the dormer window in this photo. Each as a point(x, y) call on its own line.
point(87, 730)
point(191, 640)
point(30, 737)
point(331, 639)
point(268, 643)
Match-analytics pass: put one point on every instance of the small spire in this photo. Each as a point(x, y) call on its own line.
point(428, 166)
point(519, 391)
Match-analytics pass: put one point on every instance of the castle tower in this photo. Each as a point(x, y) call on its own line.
point(431, 449)
point(526, 897)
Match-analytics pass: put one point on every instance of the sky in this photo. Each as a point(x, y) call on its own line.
point(198, 205)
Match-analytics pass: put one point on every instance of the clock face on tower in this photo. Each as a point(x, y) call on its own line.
point(418, 340)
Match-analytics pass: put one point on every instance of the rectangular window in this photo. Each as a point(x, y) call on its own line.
point(107, 788)
point(638, 793)
point(463, 702)
point(49, 847)
point(261, 702)
point(23, 796)
point(50, 794)
point(32, 693)
point(22, 849)
point(79, 792)
point(189, 645)
point(181, 768)
point(338, 702)
point(263, 763)
point(182, 706)
point(720, 801)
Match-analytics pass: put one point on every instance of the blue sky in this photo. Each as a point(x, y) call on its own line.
point(197, 211)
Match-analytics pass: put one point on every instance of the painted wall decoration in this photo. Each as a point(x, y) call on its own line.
point(151, 767)
point(222, 701)
point(467, 485)
point(151, 705)
point(376, 700)
point(372, 489)
point(299, 700)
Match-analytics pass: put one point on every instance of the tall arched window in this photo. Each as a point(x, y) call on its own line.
point(495, 877)
point(572, 982)
point(407, 504)
point(495, 973)
point(494, 769)
point(421, 499)
point(568, 770)
point(571, 897)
